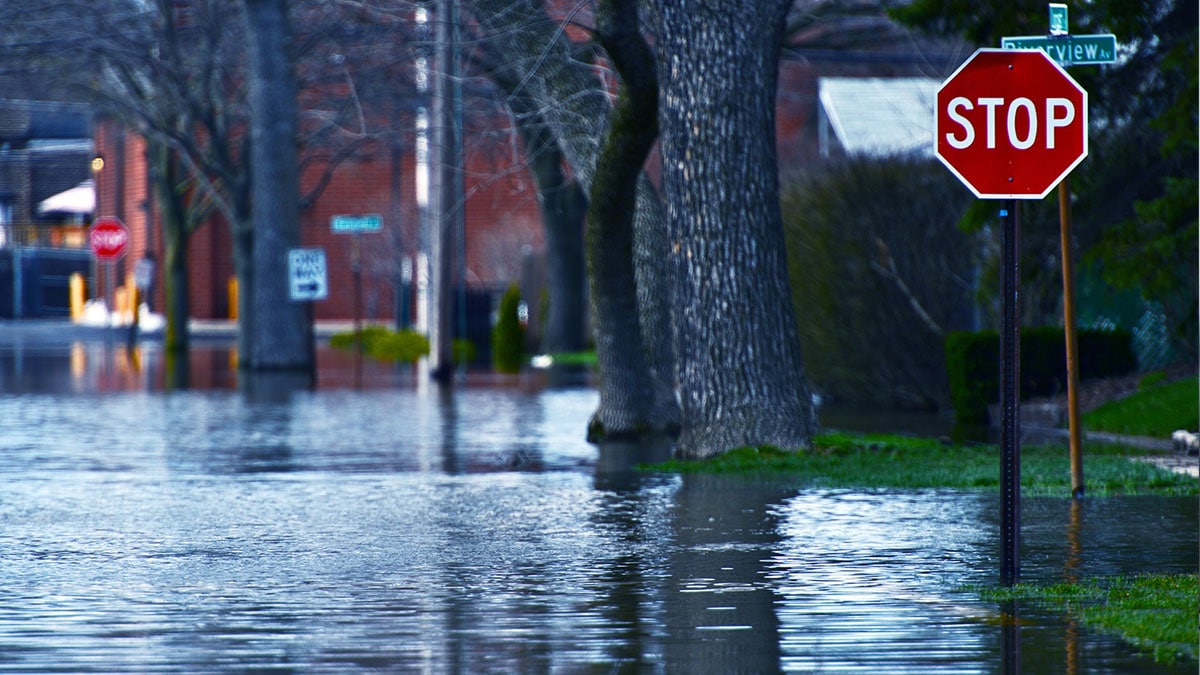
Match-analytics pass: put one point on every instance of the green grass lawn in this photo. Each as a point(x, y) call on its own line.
point(889, 461)
point(1155, 411)
point(1156, 612)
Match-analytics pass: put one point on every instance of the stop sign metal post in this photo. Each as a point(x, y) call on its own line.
point(1010, 124)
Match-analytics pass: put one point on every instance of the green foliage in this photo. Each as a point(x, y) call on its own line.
point(1154, 411)
point(587, 358)
point(404, 346)
point(1152, 379)
point(508, 335)
point(878, 273)
point(1155, 252)
point(1156, 612)
point(839, 460)
point(973, 365)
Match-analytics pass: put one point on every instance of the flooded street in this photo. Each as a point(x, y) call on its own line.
point(397, 528)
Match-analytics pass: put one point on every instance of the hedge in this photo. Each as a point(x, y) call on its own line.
point(508, 335)
point(973, 365)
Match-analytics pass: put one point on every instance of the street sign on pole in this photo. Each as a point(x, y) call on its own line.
point(1058, 19)
point(1010, 124)
point(355, 224)
point(1069, 50)
point(108, 238)
point(307, 275)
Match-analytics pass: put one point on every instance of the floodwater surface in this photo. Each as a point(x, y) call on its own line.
point(400, 528)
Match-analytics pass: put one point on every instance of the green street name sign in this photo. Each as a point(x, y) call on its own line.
point(1069, 50)
point(353, 224)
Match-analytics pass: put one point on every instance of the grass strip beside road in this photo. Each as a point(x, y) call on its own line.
point(1155, 411)
point(1155, 612)
point(840, 460)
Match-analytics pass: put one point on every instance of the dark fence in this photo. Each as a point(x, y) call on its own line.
point(35, 282)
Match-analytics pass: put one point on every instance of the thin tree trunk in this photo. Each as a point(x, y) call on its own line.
point(741, 377)
point(574, 105)
point(176, 236)
point(563, 206)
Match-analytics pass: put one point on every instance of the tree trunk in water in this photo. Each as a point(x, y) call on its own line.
point(563, 206)
point(176, 236)
point(279, 330)
point(574, 105)
point(627, 395)
point(242, 230)
point(741, 376)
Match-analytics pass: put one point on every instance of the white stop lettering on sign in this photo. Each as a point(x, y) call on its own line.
point(1021, 120)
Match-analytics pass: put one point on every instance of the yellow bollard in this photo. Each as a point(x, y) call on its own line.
point(120, 302)
point(233, 298)
point(78, 295)
point(131, 297)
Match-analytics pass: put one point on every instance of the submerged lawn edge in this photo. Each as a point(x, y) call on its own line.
point(1154, 612)
point(840, 460)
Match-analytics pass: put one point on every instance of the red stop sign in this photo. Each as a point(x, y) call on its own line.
point(108, 238)
point(1011, 124)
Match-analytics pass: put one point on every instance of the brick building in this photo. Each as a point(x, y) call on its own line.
point(45, 150)
point(501, 222)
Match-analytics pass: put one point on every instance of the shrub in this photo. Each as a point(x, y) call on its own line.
point(973, 365)
point(869, 241)
point(404, 346)
point(508, 335)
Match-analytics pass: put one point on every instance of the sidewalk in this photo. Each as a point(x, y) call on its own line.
point(222, 328)
point(58, 331)
point(1165, 455)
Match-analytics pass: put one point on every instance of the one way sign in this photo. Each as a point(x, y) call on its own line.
point(308, 278)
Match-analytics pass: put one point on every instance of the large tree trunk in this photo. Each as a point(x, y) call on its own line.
point(741, 377)
point(627, 399)
point(279, 330)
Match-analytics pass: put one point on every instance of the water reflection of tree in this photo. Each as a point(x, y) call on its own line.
point(248, 432)
point(634, 512)
point(721, 615)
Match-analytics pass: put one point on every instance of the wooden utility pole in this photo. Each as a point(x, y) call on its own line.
point(1072, 340)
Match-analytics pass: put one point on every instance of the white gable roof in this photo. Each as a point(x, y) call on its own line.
point(878, 115)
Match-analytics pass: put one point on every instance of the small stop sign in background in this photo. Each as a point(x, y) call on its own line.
point(1011, 124)
point(108, 238)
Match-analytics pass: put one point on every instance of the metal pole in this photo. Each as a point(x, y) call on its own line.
point(1072, 340)
point(1010, 396)
point(446, 201)
point(356, 270)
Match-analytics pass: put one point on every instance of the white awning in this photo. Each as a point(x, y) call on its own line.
point(80, 200)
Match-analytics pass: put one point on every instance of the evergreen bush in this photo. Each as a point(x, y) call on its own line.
point(508, 335)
